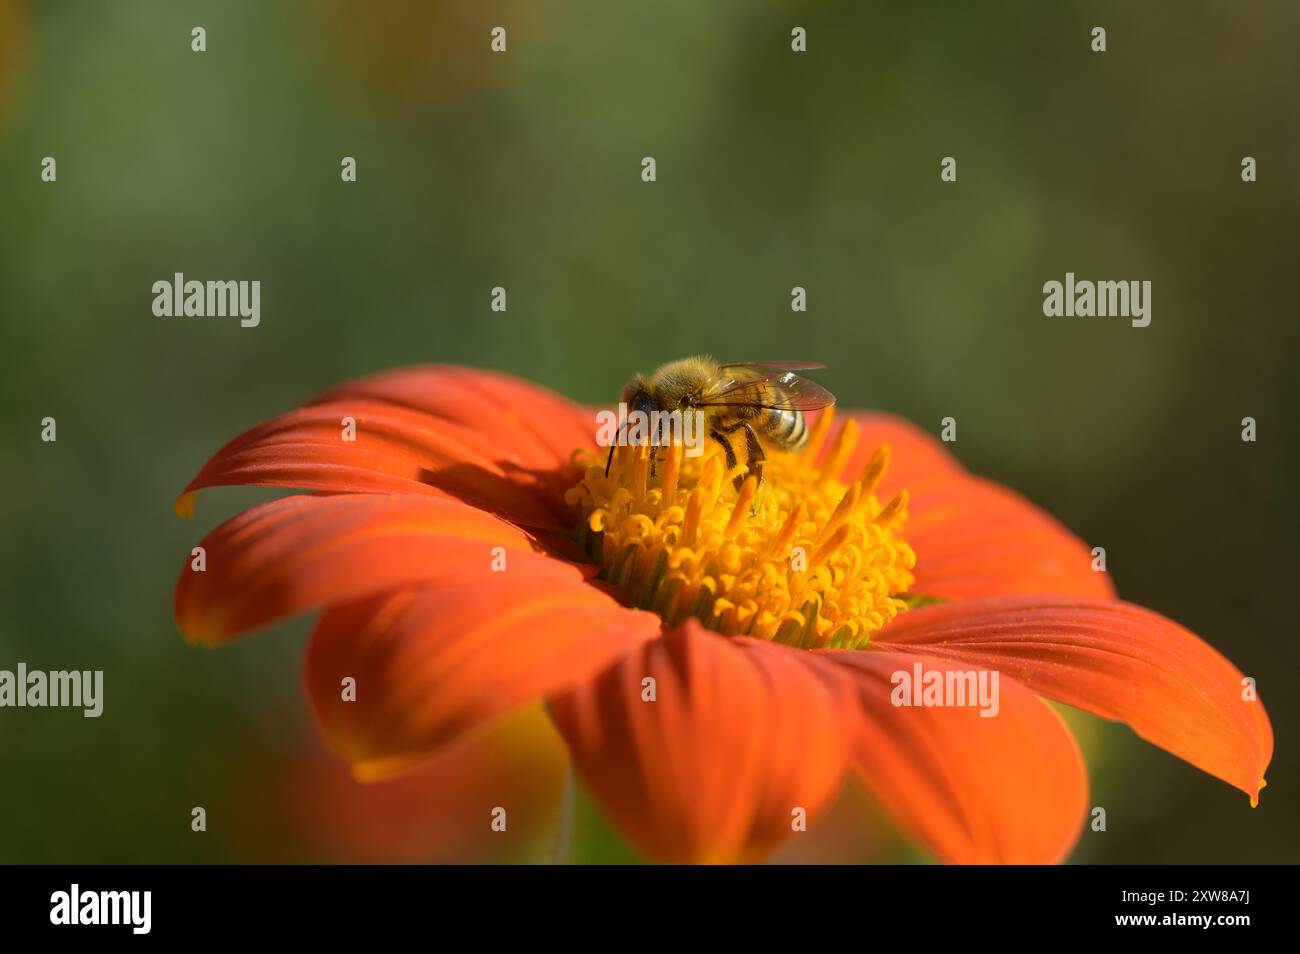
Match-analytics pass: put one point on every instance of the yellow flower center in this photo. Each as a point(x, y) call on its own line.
point(804, 559)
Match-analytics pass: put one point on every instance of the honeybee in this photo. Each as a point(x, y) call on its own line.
point(760, 403)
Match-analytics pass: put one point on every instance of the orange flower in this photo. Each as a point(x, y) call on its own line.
point(714, 659)
point(439, 813)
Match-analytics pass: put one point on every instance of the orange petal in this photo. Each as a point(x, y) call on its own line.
point(438, 813)
point(494, 441)
point(297, 553)
point(396, 451)
point(534, 426)
point(1008, 789)
point(1112, 659)
point(976, 538)
point(972, 537)
point(740, 735)
point(432, 663)
point(916, 456)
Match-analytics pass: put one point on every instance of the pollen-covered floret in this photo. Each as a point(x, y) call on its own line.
point(806, 560)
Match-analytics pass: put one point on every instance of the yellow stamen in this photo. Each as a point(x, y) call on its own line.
point(672, 467)
point(781, 542)
point(640, 474)
point(819, 431)
point(875, 469)
point(748, 490)
point(846, 506)
point(841, 450)
point(892, 509)
point(837, 540)
point(804, 559)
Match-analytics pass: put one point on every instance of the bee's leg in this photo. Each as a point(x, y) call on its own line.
point(739, 479)
point(754, 452)
point(754, 456)
point(727, 449)
point(654, 446)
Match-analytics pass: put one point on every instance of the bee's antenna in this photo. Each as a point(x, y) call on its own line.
point(612, 444)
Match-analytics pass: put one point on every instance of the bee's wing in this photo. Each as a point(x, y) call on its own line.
point(776, 366)
point(771, 385)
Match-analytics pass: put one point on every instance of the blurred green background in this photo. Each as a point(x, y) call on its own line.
point(523, 170)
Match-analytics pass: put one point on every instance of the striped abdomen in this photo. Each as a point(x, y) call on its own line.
point(784, 428)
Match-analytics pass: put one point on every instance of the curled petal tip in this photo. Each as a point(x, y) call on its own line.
point(200, 632)
point(370, 771)
point(184, 505)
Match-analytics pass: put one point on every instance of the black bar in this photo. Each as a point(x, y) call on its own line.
point(563, 905)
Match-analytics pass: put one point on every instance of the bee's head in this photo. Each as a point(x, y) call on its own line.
point(636, 395)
